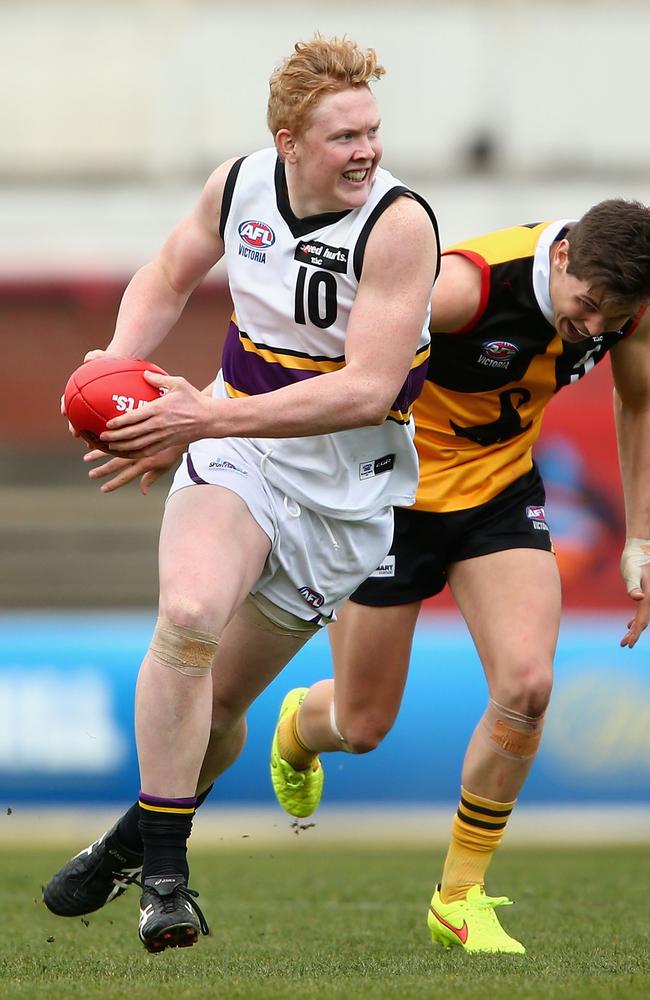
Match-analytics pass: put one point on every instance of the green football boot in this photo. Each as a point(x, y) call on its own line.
point(471, 923)
point(298, 792)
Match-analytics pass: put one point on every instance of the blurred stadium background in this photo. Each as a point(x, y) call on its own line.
point(113, 114)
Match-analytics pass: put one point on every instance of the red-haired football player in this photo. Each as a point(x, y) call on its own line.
point(284, 499)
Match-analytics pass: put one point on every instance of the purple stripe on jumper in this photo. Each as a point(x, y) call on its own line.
point(154, 800)
point(194, 476)
point(250, 373)
point(411, 389)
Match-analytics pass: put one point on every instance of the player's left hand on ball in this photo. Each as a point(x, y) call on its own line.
point(125, 470)
point(178, 417)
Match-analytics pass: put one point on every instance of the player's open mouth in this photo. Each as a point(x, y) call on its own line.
point(574, 333)
point(356, 176)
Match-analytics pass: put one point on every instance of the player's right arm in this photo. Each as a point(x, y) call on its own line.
point(156, 295)
point(456, 295)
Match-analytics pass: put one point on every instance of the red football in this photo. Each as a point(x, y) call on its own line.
point(102, 389)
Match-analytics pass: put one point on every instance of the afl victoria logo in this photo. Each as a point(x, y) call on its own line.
point(256, 234)
point(501, 350)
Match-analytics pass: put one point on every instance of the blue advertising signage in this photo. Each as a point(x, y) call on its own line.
point(66, 717)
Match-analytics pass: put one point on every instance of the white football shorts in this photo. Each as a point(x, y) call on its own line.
point(315, 562)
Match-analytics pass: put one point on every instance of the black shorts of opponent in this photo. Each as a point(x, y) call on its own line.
point(425, 544)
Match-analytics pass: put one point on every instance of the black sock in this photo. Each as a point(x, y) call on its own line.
point(165, 826)
point(202, 796)
point(128, 829)
point(128, 826)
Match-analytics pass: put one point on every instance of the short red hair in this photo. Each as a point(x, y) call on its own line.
point(315, 68)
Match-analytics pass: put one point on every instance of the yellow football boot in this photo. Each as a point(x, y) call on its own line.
point(298, 792)
point(471, 923)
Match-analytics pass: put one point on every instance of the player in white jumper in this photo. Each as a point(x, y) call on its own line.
point(299, 451)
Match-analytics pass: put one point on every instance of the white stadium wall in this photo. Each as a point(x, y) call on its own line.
point(114, 112)
point(169, 87)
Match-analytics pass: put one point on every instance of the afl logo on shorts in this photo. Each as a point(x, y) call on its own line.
point(500, 350)
point(256, 235)
point(537, 518)
point(313, 598)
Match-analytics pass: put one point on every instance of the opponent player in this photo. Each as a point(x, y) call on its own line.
point(283, 502)
point(516, 315)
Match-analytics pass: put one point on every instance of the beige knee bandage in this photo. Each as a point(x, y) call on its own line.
point(511, 734)
point(184, 649)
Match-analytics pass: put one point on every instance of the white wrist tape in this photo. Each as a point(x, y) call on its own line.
point(636, 554)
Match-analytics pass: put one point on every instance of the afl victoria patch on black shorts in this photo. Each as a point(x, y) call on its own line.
point(425, 543)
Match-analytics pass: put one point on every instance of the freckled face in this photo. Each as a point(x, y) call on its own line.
point(333, 163)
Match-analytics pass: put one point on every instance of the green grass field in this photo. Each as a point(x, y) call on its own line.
point(340, 923)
